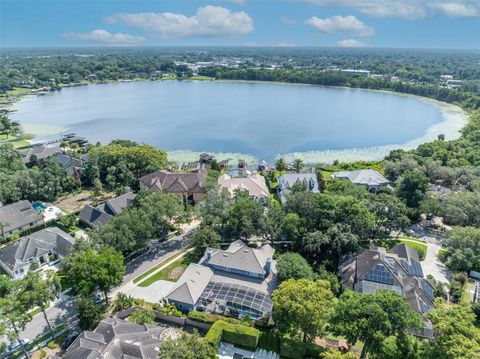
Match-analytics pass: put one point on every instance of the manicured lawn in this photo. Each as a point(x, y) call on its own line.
point(416, 244)
point(154, 268)
point(170, 273)
point(201, 78)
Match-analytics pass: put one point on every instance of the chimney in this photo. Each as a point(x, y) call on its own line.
point(209, 254)
point(268, 265)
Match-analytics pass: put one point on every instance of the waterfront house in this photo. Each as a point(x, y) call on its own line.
point(288, 180)
point(73, 166)
point(370, 179)
point(18, 216)
point(101, 214)
point(46, 246)
point(39, 153)
point(253, 183)
point(191, 186)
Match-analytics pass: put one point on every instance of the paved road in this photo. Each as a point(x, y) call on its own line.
point(63, 310)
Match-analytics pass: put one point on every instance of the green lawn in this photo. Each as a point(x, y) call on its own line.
point(201, 78)
point(154, 268)
point(416, 244)
point(171, 273)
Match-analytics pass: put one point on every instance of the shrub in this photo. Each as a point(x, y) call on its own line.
point(52, 257)
point(42, 353)
point(214, 335)
point(269, 340)
point(292, 349)
point(169, 309)
point(34, 266)
point(236, 334)
point(143, 316)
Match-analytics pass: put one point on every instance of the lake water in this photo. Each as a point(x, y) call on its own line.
point(261, 119)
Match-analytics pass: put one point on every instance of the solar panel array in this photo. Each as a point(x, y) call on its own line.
point(413, 268)
point(423, 307)
point(428, 290)
point(372, 287)
point(379, 274)
point(246, 299)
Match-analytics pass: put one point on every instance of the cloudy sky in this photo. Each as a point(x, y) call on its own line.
point(347, 23)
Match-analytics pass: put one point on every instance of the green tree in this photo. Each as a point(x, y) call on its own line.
point(301, 308)
point(89, 312)
point(372, 318)
point(462, 209)
point(204, 238)
point(272, 223)
point(123, 301)
point(463, 249)
point(187, 346)
point(293, 266)
point(411, 187)
point(336, 354)
point(142, 316)
point(38, 289)
point(281, 164)
point(90, 270)
point(297, 165)
point(456, 335)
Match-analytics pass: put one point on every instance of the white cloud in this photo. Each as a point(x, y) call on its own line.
point(351, 43)
point(288, 21)
point(407, 9)
point(455, 9)
point(341, 24)
point(105, 37)
point(209, 21)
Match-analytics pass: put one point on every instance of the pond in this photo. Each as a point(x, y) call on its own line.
point(263, 120)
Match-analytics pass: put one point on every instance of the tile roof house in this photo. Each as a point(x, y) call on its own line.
point(38, 247)
point(73, 166)
point(95, 216)
point(18, 216)
point(401, 271)
point(371, 179)
point(117, 339)
point(226, 279)
point(253, 183)
point(41, 153)
point(191, 186)
point(286, 181)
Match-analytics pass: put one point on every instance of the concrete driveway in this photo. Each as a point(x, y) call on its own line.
point(153, 293)
point(433, 266)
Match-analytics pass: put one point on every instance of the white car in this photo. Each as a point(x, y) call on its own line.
point(16, 345)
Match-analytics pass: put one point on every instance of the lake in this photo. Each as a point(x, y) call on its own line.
point(260, 119)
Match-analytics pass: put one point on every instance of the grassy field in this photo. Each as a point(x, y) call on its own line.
point(154, 268)
point(413, 243)
point(201, 78)
point(170, 273)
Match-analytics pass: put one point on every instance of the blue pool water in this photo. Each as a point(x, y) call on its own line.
point(39, 206)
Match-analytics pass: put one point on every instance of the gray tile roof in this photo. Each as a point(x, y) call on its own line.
point(286, 181)
point(240, 257)
point(364, 177)
point(191, 284)
point(117, 339)
point(41, 152)
point(17, 254)
point(94, 216)
point(174, 182)
point(18, 215)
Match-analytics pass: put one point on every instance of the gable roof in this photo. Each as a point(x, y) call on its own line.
point(286, 181)
point(175, 182)
point(365, 177)
point(117, 339)
point(254, 184)
point(95, 216)
point(17, 254)
point(41, 152)
point(240, 257)
point(17, 215)
point(191, 284)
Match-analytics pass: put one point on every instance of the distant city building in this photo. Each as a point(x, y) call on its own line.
point(46, 246)
point(288, 180)
point(191, 186)
point(18, 216)
point(371, 179)
point(364, 73)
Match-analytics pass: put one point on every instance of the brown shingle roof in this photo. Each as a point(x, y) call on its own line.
point(175, 182)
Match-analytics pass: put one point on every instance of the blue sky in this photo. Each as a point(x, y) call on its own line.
point(348, 23)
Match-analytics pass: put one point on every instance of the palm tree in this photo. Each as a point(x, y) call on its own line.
point(297, 165)
point(281, 164)
point(38, 289)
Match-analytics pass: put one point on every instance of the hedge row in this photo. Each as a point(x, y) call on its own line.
point(288, 348)
point(212, 318)
point(237, 334)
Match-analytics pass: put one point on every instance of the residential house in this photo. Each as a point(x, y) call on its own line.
point(288, 180)
point(191, 186)
point(376, 269)
point(46, 246)
point(18, 216)
point(95, 216)
point(237, 281)
point(73, 166)
point(116, 338)
point(371, 179)
point(253, 183)
point(40, 153)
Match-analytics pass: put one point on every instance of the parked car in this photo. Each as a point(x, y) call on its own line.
point(16, 345)
point(69, 339)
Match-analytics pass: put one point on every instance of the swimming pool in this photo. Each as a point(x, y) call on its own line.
point(39, 206)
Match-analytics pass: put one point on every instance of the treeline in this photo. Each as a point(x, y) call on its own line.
point(338, 78)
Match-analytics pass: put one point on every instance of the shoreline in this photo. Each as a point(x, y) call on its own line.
point(455, 118)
